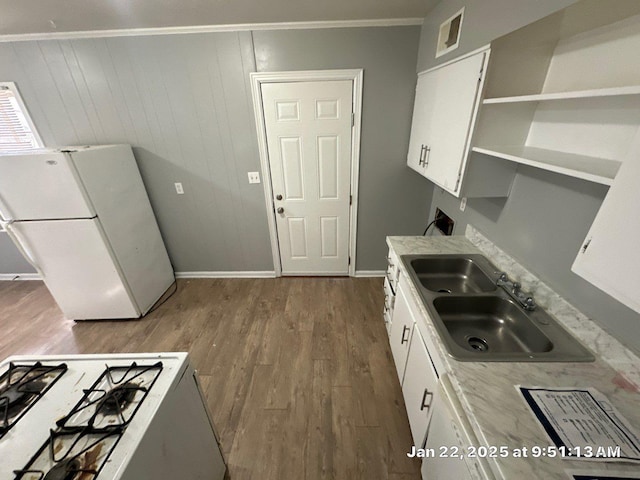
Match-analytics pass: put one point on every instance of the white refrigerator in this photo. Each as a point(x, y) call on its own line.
point(82, 218)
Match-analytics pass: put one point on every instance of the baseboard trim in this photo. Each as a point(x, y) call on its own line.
point(259, 274)
point(369, 273)
point(19, 276)
point(240, 274)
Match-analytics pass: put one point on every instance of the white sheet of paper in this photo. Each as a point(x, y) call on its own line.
point(584, 422)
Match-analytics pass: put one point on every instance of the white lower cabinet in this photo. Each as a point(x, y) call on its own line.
point(401, 329)
point(438, 424)
point(443, 441)
point(419, 388)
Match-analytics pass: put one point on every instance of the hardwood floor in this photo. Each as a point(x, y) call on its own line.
point(297, 371)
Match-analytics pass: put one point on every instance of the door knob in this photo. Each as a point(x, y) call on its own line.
point(278, 197)
point(280, 210)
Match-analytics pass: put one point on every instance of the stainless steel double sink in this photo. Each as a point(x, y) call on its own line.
point(478, 321)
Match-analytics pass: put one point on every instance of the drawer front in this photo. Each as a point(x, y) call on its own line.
point(389, 296)
point(393, 270)
point(387, 320)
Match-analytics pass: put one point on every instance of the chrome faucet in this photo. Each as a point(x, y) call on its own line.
point(513, 289)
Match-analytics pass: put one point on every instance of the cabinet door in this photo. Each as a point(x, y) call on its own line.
point(401, 330)
point(456, 99)
point(444, 111)
point(419, 388)
point(443, 433)
point(609, 258)
point(423, 108)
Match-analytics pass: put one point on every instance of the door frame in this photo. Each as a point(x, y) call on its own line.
point(257, 79)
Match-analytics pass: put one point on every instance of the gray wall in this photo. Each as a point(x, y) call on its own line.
point(10, 259)
point(184, 103)
point(393, 200)
point(483, 21)
point(547, 216)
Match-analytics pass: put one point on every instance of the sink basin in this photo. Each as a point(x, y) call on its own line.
point(478, 321)
point(449, 274)
point(490, 325)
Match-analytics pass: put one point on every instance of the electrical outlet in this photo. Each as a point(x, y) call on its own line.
point(254, 177)
point(463, 204)
point(179, 189)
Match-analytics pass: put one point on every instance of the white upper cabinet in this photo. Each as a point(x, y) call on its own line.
point(444, 111)
point(609, 257)
point(444, 115)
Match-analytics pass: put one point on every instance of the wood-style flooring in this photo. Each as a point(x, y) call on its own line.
point(297, 372)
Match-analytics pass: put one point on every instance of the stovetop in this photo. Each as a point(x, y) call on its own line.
point(86, 419)
point(21, 386)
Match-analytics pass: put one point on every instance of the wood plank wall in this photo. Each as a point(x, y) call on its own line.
point(183, 102)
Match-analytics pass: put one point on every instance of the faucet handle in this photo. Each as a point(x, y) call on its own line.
point(529, 303)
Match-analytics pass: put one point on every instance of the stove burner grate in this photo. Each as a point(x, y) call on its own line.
point(20, 388)
point(72, 455)
point(116, 394)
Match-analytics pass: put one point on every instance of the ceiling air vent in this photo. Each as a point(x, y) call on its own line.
point(449, 36)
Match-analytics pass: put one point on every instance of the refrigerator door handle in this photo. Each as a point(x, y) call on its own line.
point(21, 246)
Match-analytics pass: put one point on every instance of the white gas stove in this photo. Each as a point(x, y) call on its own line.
point(104, 417)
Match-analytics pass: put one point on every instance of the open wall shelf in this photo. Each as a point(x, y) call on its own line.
point(563, 93)
point(541, 97)
point(592, 169)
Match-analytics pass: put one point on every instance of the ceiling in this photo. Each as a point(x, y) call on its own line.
point(50, 16)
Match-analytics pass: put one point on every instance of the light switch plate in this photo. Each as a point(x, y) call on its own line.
point(179, 189)
point(463, 204)
point(254, 177)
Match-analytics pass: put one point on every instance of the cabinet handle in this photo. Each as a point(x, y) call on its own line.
point(427, 155)
point(405, 329)
point(422, 150)
point(424, 399)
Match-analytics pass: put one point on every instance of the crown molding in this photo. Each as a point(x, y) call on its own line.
point(241, 27)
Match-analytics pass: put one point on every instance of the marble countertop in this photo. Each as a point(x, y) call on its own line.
point(491, 403)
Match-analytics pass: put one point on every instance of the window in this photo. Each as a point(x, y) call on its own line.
point(17, 132)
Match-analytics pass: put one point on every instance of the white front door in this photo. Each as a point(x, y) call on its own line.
point(308, 130)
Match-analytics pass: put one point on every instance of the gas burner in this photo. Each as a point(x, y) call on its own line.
point(21, 386)
point(76, 455)
point(17, 397)
point(114, 398)
point(66, 470)
point(118, 398)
